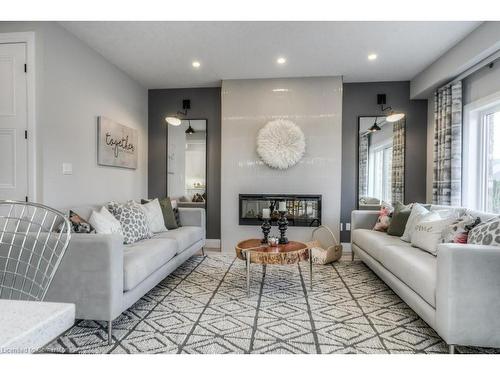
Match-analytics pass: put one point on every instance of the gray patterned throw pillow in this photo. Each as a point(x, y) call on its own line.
point(132, 219)
point(487, 233)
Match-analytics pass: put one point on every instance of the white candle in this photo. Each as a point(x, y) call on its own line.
point(266, 213)
point(282, 206)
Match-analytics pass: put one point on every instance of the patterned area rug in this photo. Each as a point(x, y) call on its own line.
point(203, 308)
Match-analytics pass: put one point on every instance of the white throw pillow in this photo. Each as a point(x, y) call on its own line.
point(417, 212)
point(428, 232)
point(154, 216)
point(104, 222)
point(450, 213)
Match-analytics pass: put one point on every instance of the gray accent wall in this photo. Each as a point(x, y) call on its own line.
point(360, 99)
point(205, 104)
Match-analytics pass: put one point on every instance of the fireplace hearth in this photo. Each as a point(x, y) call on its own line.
point(301, 210)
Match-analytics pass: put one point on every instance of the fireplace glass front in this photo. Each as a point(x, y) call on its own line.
point(301, 210)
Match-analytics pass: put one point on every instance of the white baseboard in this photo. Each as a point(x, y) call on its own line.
point(346, 247)
point(212, 243)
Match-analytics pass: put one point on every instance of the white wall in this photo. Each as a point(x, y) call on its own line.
point(314, 104)
point(484, 82)
point(74, 85)
point(479, 44)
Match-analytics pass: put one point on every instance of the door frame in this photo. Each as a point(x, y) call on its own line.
point(29, 39)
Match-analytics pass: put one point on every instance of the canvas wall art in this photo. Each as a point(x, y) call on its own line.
point(117, 145)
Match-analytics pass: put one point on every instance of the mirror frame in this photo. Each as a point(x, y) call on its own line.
point(357, 157)
point(206, 163)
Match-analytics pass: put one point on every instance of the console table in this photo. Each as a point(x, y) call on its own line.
point(26, 326)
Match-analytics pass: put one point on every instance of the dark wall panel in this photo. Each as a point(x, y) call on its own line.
point(206, 104)
point(360, 99)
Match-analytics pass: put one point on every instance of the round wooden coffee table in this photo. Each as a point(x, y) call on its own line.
point(253, 251)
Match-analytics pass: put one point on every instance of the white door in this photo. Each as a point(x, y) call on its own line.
point(13, 122)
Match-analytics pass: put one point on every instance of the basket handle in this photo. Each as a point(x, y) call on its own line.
point(329, 230)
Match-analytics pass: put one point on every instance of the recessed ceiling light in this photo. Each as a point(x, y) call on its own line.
point(372, 56)
point(196, 64)
point(281, 60)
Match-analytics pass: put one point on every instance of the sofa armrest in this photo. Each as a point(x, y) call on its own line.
point(192, 216)
point(91, 276)
point(362, 219)
point(468, 294)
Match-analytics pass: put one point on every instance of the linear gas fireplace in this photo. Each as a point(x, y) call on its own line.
point(302, 210)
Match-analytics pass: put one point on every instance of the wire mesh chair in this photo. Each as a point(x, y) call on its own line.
point(33, 240)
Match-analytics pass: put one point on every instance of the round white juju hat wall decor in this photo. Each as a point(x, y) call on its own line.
point(280, 144)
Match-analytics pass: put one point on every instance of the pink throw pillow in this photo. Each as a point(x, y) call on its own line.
point(383, 221)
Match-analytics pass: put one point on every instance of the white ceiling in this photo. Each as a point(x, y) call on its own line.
point(159, 54)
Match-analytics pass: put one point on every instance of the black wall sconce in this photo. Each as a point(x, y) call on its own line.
point(393, 116)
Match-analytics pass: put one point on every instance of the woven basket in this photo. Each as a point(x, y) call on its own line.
point(325, 247)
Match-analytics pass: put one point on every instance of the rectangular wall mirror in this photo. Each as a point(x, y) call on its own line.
point(381, 161)
point(187, 163)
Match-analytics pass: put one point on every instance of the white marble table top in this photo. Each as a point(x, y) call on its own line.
point(26, 326)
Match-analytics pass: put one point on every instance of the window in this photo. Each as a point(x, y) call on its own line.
point(380, 172)
point(490, 168)
point(481, 178)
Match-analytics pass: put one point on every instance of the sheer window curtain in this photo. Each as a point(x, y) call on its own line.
point(447, 182)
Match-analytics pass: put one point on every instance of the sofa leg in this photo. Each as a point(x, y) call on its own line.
point(110, 332)
point(352, 255)
point(203, 251)
point(451, 349)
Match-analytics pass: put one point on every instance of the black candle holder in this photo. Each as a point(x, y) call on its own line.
point(266, 228)
point(283, 226)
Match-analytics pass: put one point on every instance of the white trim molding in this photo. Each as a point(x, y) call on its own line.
point(473, 174)
point(212, 243)
point(29, 39)
point(346, 247)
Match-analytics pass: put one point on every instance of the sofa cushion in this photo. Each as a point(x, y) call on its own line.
point(132, 219)
point(487, 233)
point(78, 224)
point(374, 242)
point(414, 267)
point(417, 212)
point(154, 215)
point(104, 222)
point(168, 213)
point(142, 258)
point(185, 236)
point(399, 218)
point(428, 232)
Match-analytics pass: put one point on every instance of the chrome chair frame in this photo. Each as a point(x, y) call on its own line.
point(30, 250)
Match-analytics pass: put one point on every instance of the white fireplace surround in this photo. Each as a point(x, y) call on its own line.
point(315, 105)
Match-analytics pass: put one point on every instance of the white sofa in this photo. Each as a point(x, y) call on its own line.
point(103, 277)
point(456, 292)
